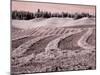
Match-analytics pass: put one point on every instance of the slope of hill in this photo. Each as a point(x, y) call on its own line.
point(54, 44)
point(52, 22)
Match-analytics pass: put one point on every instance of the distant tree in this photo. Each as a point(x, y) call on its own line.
point(25, 15)
point(77, 16)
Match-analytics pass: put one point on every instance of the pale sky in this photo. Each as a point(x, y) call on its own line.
point(33, 6)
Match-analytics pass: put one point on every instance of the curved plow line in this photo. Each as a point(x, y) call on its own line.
point(20, 37)
point(62, 30)
point(46, 33)
point(53, 31)
point(23, 47)
point(25, 34)
point(53, 45)
point(82, 41)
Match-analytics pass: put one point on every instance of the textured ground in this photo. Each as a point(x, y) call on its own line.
point(50, 49)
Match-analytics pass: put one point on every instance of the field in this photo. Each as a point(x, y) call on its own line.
point(53, 44)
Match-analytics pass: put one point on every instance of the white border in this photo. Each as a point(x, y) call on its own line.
point(5, 37)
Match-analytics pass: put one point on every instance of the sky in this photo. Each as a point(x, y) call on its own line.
point(33, 6)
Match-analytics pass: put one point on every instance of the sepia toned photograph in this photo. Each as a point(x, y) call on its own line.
point(52, 37)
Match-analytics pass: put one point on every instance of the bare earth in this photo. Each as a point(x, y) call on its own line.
point(53, 45)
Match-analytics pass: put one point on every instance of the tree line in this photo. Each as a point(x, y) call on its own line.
point(25, 15)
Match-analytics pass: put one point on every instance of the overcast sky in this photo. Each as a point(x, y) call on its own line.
point(33, 6)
